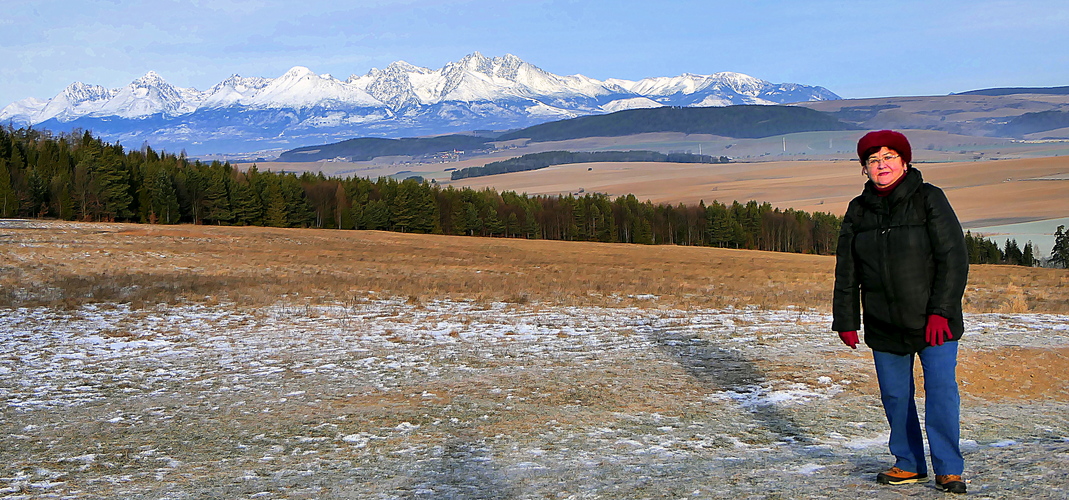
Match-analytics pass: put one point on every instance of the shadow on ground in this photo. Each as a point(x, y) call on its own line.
point(462, 470)
point(721, 369)
point(724, 369)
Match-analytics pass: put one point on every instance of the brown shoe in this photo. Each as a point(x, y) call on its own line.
point(950, 484)
point(894, 475)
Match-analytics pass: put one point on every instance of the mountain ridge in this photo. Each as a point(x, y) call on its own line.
point(727, 121)
point(301, 107)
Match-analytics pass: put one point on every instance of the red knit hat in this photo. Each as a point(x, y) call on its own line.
point(890, 139)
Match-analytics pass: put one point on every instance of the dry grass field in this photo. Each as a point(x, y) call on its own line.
point(71, 264)
point(930, 146)
point(147, 361)
point(979, 191)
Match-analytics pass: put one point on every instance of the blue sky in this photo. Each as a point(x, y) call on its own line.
point(853, 48)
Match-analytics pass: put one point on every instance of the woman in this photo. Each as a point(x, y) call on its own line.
point(901, 259)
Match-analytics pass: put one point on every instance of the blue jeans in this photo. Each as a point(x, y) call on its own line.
point(941, 408)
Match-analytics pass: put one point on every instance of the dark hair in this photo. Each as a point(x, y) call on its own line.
point(869, 152)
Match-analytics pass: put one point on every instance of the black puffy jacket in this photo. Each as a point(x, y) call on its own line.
point(900, 258)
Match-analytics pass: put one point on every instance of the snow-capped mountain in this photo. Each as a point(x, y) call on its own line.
point(301, 107)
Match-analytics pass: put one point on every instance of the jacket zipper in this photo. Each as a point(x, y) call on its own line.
point(888, 285)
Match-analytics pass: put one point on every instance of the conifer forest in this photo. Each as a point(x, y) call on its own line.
point(77, 176)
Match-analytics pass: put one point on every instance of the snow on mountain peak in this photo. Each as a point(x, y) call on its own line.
point(474, 92)
point(23, 111)
point(79, 92)
point(476, 62)
point(145, 96)
point(509, 67)
point(298, 72)
point(151, 79)
point(631, 103)
point(232, 91)
point(241, 83)
point(404, 67)
point(301, 88)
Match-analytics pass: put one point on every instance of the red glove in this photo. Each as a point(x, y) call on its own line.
point(937, 331)
point(849, 338)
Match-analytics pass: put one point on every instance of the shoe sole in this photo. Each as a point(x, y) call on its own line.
point(896, 482)
point(954, 487)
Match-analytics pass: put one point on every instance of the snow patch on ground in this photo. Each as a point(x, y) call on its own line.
point(72, 360)
point(73, 357)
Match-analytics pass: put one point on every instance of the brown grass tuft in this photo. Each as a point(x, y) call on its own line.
point(1015, 301)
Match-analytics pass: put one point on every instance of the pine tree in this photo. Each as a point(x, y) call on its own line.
point(1059, 255)
point(62, 201)
point(1028, 259)
point(163, 198)
point(8, 205)
point(512, 225)
point(276, 214)
point(494, 225)
point(993, 254)
point(356, 214)
point(405, 206)
point(111, 182)
point(377, 215)
point(246, 204)
point(428, 219)
point(719, 222)
point(300, 211)
point(216, 204)
point(358, 192)
point(17, 171)
point(82, 184)
point(568, 206)
point(606, 225)
point(38, 190)
point(644, 232)
point(1012, 253)
point(458, 224)
point(982, 250)
point(972, 248)
point(531, 228)
point(472, 223)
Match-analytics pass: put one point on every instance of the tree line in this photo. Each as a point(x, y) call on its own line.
point(77, 176)
point(535, 161)
point(984, 251)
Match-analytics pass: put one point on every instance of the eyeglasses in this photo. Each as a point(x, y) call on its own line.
point(875, 160)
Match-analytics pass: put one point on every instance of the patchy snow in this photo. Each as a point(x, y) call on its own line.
point(56, 358)
point(117, 371)
point(754, 396)
point(630, 103)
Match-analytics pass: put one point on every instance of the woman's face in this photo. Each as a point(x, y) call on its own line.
point(884, 167)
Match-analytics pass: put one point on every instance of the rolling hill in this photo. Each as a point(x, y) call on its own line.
point(1023, 114)
point(727, 121)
